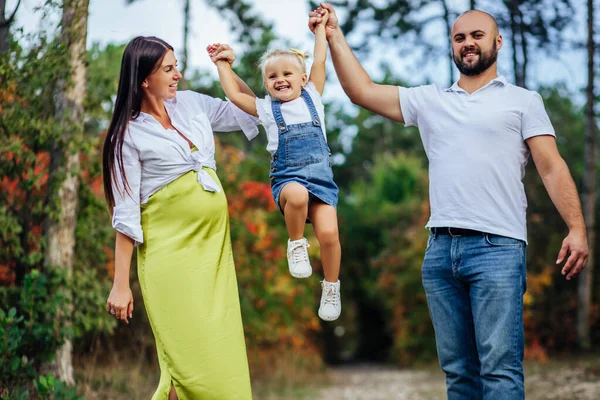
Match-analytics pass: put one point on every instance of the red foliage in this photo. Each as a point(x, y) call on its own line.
point(95, 183)
point(258, 191)
point(252, 228)
point(536, 352)
point(7, 275)
point(40, 170)
point(17, 199)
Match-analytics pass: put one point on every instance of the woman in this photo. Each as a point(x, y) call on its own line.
point(166, 199)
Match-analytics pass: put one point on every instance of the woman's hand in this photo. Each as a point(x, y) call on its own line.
point(120, 303)
point(220, 52)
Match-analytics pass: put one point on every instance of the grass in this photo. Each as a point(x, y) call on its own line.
point(127, 378)
point(119, 379)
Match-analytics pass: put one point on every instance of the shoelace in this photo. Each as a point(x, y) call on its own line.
point(332, 295)
point(299, 254)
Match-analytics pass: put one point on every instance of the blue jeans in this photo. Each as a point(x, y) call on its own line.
point(475, 287)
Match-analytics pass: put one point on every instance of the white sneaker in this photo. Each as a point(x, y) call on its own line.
point(297, 255)
point(331, 301)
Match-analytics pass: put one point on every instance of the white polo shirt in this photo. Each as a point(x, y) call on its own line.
point(477, 153)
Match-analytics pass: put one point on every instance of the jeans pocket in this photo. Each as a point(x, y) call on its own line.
point(502, 241)
point(430, 240)
point(303, 149)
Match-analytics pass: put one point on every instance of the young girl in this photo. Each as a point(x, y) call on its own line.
point(301, 177)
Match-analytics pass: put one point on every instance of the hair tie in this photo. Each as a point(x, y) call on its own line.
point(299, 53)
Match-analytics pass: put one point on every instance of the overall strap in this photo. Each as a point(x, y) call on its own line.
point(276, 108)
point(311, 107)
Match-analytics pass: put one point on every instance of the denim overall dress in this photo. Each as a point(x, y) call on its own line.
point(302, 156)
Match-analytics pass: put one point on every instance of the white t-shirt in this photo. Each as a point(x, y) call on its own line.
point(293, 112)
point(477, 152)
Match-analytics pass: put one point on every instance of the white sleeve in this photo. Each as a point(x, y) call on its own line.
point(126, 213)
point(265, 113)
point(224, 116)
point(535, 120)
point(312, 90)
point(410, 104)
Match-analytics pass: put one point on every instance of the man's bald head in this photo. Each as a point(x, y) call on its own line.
point(482, 17)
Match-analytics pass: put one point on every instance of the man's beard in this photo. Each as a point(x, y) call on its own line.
point(485, 61)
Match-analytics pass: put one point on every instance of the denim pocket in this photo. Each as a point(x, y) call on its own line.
point(304, 149)
point(430, 240)
point(497, 240)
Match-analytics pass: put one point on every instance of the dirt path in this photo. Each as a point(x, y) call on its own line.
point(382, 383)
point(572, 380)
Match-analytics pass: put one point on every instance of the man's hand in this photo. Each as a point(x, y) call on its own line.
point(319, 16)
point(576, 246)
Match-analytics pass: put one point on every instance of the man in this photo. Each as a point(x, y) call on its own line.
point(478, 135)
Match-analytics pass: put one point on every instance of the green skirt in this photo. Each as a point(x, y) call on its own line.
point(188, 281)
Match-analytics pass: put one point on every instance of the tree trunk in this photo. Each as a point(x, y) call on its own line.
point(5, 25)
point(447, 16)
point(186, 39)
point(64, 167)
point(584, 288)
point(4, 28)
point(515, 25)
point(524, 49)
point(472, 5)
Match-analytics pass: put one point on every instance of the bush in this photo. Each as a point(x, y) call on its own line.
point(47, 387)
point(32, 326)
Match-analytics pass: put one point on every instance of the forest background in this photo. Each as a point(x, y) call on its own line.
point(56, 242)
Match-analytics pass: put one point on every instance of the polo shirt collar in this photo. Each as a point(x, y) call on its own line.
point(499, 80)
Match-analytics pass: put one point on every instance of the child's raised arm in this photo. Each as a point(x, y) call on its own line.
point(235, 89)
point(317, 71)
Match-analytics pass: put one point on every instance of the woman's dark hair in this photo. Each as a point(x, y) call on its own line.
point(141, 57)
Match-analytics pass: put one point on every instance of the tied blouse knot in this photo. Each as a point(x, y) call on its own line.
point(154, 156)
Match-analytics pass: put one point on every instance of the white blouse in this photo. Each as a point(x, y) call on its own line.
point(154, 156)
point(293, 112)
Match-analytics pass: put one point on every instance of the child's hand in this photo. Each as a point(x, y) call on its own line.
point(220, 52)
point(324, 16)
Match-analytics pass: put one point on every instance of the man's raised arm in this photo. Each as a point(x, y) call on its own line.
point(362, 91)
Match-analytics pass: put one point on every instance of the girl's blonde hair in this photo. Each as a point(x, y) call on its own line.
point(293, 55)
